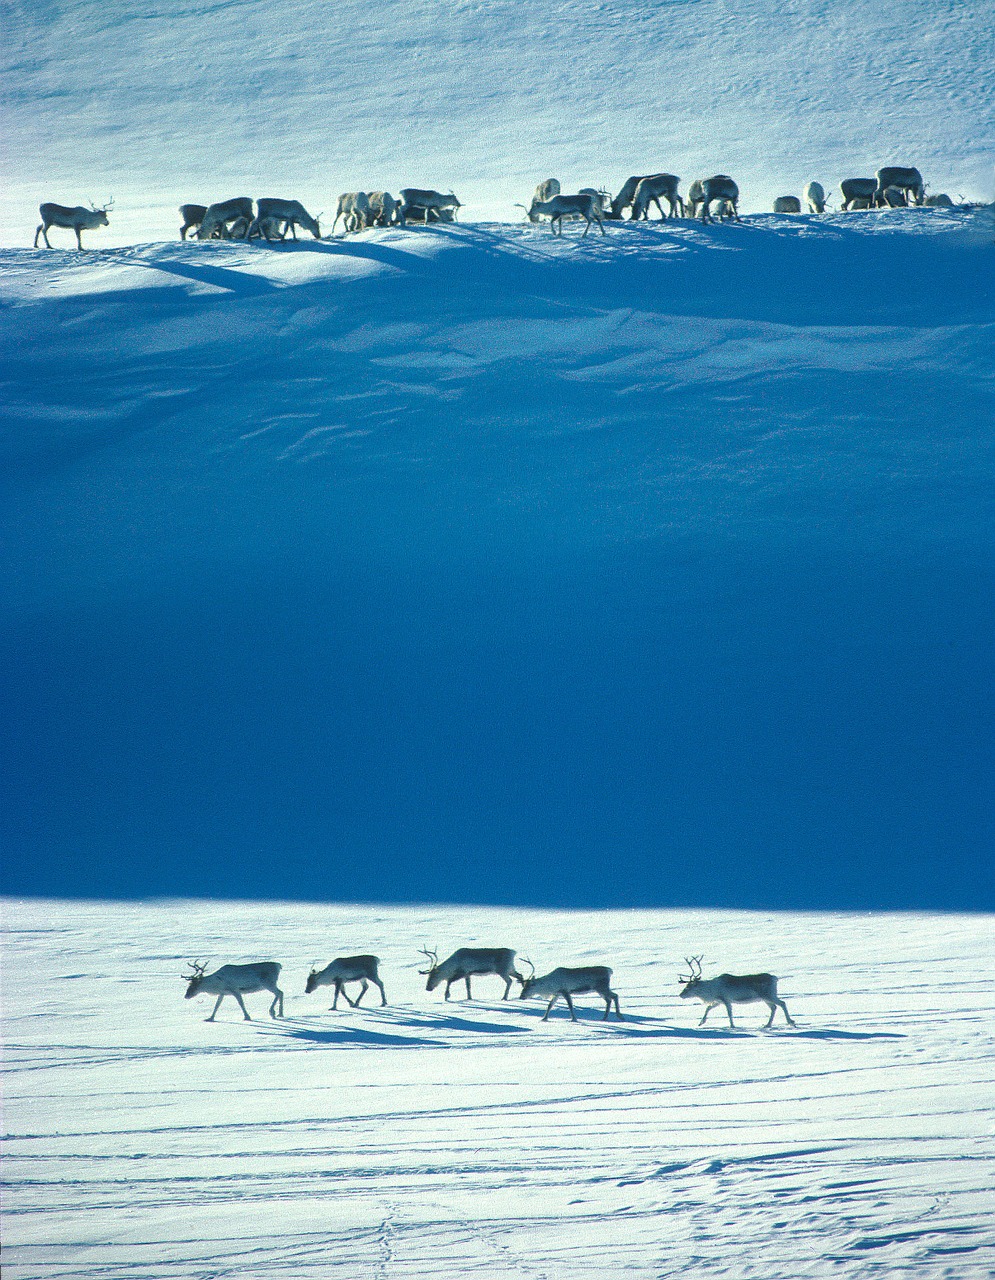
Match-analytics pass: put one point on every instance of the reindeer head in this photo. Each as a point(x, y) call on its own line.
point(690, 980)
point(527, 982)
point(312, 978)
point(195, 978)
point(432, 972)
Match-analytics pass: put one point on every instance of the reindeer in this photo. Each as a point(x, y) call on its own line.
point(546, 189)
point(585, 204)
point(347, 969)
point(470, 962)
point(290, 212)
point(236, 980)
point(78, 219)
point(193, 216)
point(720, 187)
point(858, 189)
point(815, 195)
point(906, 180)
point(221, 213)
point(355, 209)
point(383, 208)
point(568, 982)
point(626, 196)
point(649, 192)
point(429, 202)
point(787, 204)
point(728, 989)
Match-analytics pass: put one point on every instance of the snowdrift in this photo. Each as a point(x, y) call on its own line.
point(652, 568)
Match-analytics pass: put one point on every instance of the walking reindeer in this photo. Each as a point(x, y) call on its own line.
point(347, 969)
point(728, 989)
point(571, 982)
point(236, 980)
point(471, 962)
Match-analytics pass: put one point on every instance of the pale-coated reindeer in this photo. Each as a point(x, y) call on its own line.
point(471, 962)
point(347, 969)
point(236, 980)
point(787, 204)
point(290, 212)
point(219, 215)
point(355, 211)
point(571, 982)
point(546, 189)
point(383, 208)
point(429, 202)
point(586, 205)
point(650, 190)
point(815, 196)
point(728, 989)
point(77, 219)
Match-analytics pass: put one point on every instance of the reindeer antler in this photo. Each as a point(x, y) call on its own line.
point(198, 970)
point(526, 960)
point(694, 966)
point(432, 957)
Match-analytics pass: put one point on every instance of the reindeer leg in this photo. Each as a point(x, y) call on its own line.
point(338, 988)
point(556, 996)
point(467, 981)
point(729, 1012)
point(277, 1000)
point(362, 992)
point(570, 1006)
point(216, 1007)
point(782, 1005)
point(448, 985)
point(708, 1010)
point(383, 994)
point(238, 997)
point(507, 988)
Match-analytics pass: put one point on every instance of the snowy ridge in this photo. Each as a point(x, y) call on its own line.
point(471, 1138)
point(202, 101)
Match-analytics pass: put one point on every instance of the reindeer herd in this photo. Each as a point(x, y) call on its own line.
point(238, 980)
point(707, 199)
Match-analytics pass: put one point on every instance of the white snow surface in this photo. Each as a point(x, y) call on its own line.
point(157, 105)
point(470, 1138)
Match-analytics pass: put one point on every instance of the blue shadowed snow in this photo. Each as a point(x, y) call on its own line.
point(468, 565)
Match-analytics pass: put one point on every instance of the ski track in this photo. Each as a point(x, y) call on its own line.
point(471, 1138)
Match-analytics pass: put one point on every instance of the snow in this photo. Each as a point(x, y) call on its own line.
point(647, 576)
point(161, 105)
point(471, 1138)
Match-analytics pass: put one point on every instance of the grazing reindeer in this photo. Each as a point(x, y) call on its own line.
point(650, 190)
point(193, 217)
point(220, 214)
point(787, 204)
point(236, 980)
point(815, 195)
point(857, 191)
point(470, 962)
point(347, 969)
point(546, 189)
point(583, 205)
point(429, 202)
point(78, 219)
point(290, 212)
point(728, 989)
point(908, 181)
point(720, 187)
point(568, 982)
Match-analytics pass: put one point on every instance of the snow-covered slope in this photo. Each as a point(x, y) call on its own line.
point(645, 569)
point(472, 1139)
point(157, 105)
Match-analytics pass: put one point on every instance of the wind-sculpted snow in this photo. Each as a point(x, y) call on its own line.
point(164, 104)
point(474, 563)
point(471, 1138)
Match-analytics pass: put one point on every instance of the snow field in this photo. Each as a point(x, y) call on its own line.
point(471, 1138)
